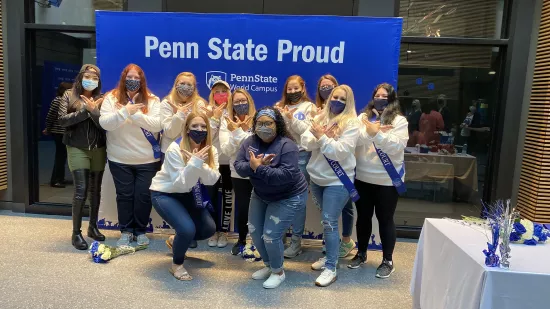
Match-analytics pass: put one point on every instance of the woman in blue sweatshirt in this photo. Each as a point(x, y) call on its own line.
point(270, 159)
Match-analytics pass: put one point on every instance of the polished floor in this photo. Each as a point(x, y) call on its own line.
point(40, 269)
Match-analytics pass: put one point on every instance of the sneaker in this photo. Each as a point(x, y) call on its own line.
point(385, 269)
point(358, 260)
point(274, 281)
point(326, 278)
point(193, 244)
point(262, 274)
point(222, 240)
point(294, 249)
point(142, 240)
point(320, 264)
point(346, 248)
point(125, 239)
point(213, 241)
point(236, 250)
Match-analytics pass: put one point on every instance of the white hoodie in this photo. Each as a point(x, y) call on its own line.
point(215, 129)
point(172, 123)
point(340, 149)
point(177, 177)
point(297, 125)
point(126, 143)
point(393, 143)
point(230, 142)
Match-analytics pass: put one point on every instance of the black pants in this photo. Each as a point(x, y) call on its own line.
point(383, 201)
point(133, 197)
point(58, 172)
point(223, 206)
point(243, 191)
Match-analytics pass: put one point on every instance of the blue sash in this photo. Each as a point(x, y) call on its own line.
point(392, 172)
point(151, 138)
point(200, 195)
point(339, 171)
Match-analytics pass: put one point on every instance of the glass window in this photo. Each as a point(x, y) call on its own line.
point(452, 18)
point(449, 94)
point(73, 12)
point(59, 57)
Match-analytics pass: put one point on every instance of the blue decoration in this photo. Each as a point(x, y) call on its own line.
point(514, 236)
point(519, 228)
point(530, 242)
point(431, 86)
point(491, 258)
point(419, 81)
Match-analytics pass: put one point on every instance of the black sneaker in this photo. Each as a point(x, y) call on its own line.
point(193, 244)
point(359, 259)
point(385, 269)
point(236, 250)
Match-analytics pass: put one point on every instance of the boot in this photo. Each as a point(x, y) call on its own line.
point(95, 190)
point(80, 178)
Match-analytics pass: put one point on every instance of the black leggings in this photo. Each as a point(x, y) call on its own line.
point(243, 191)
point(223, 207)
point(383, 201)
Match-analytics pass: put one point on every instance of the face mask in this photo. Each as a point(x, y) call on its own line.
point(265, 133)
point(185, 90)
point(337, 107)
point(132, 85)
point(89, 84)
point(380, 104)
point(241, 109)
point(324, 93)
point(294, 97)
point(197, 136)
point(220, 97)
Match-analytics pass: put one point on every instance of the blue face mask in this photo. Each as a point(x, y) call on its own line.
point(197, 136)
point(241, 109)
point(337, 107)
point(380, 104)
point(132, 85)
point(89, 84)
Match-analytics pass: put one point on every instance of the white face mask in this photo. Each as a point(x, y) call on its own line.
point(89, 84)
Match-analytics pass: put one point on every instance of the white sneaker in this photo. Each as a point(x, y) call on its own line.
point(274, 281)
point(326, 278)
point(262, 274)
point(320, 264)
point(213, 241)
point(222, 240)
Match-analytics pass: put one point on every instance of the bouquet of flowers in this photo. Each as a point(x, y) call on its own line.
point(250, 254)
point(528, 233)
point(102, 253)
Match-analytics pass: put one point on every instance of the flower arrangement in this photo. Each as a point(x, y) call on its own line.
point(528, 233)
point(250, 254)
point(102, 253)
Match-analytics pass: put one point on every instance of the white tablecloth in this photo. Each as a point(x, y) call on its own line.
point(449, 271)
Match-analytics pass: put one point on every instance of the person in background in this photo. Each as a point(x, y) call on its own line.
point(54, 129)
point(431, 122)
point(270, 159)
point(85, 140)
point(131, 116)
point(177, 189)
point(235, 128)
point(218, 100)
point(332, 139)
point(296, 106)
point(414, 122)
point(445, 112)
point(383, 136)
point(473, 130)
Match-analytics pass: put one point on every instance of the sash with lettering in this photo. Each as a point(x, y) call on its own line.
point(396, 178)
point(200, 194)
point(348, 184)
point(151, 138)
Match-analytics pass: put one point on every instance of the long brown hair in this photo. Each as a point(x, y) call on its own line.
point(318, 100)
point(120, 91)
point(251, 108)
point(284, 100)
point(185, 145)
point(75, 102)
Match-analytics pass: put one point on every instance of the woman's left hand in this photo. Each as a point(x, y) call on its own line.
point(372, 127)
point(317, 130)
point(254, 161)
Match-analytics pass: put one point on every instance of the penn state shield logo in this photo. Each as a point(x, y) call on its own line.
point(300, 116)
point(214, 76)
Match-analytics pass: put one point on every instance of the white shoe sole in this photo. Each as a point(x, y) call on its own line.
point(331, 282)
point(385, 277)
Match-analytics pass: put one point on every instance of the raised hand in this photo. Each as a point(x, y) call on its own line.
point(91, 104)
point(288, 113)
point(218, 111)
point(246, 124)
point(317, 130)
point(330, 132)
point(266, 159)
point(202, 154)
point(371, 127)
point(207, 110)
point(254, 161)
point(185, 108)
point(134, 108)
point(231, 125)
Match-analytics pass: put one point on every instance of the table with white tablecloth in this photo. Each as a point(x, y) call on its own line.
point(449, 271)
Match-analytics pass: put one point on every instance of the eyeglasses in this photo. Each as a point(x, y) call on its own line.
point(240, 102)
point(265, 123)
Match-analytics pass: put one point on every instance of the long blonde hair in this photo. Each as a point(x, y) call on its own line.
point(174, 96)
point(211, 101)
point(251, 105)
point(185, 145)
point(347, 117)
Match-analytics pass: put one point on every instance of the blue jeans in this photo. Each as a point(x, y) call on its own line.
point(299, 221)
point(268, 221)
point(190, 223)
point(332, 200)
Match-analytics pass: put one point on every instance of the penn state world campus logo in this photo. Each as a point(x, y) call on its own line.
point(214, 76)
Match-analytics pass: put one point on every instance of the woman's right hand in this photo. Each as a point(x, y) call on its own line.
point(91, 104)
point(199, 154)
point(185, 108)
point(133, 108)
point(231, 125)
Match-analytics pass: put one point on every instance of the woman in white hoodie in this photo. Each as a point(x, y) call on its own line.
point(178, 193)
point(380, 173)
point(130, 115)
point(234, 129)
point(332, 138)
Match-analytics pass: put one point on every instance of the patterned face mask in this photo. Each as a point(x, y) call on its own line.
point(241, 109)
point(132, 85)
point(185, 90)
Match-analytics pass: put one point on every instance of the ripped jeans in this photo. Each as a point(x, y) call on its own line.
point(267, 223)
point(332, 200)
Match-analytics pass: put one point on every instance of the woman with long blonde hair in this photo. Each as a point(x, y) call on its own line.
point(332, 138)
point(178, 193)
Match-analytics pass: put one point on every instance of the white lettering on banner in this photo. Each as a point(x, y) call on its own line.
point(253, 78)
point(236, 51)
point(175, 49)
point(320, 54)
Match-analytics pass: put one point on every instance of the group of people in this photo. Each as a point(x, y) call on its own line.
point(176, 154)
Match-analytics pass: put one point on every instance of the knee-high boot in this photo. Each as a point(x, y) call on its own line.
point(80, 191)
point(95, 190)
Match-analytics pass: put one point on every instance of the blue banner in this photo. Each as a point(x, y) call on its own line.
point(255, 52)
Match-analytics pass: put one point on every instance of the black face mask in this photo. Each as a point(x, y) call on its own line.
point(324, 93)
point(198, 136)
point(294, 96)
